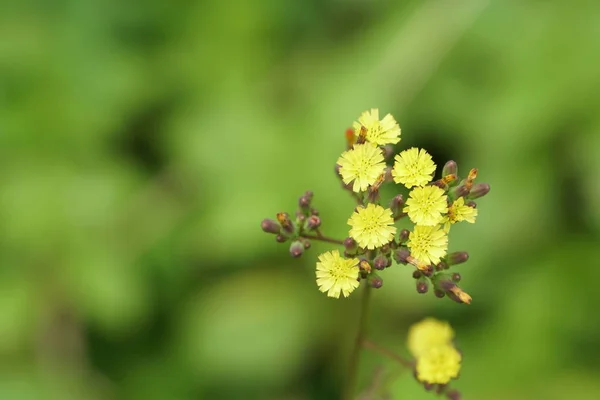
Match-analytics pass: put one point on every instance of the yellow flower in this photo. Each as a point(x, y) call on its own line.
point(438, 365)
point(372, 226)
point(428, 243)
point(413, 167)
point(362, 164)
point(379, 132)
point(457, 212)
point(426, 205)
point(427, 334)
point(336, 274)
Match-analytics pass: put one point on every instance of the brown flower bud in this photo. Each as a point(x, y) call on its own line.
point(270, 226)
point(479, 190)
point(450, 168)
point(458, 257)
point(296, 248)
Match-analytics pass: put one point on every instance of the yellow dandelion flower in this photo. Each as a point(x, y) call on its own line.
point(379, 132)
point(426, 205)
point(336, 274)
point(457, 212)
point(428, 243)
point(372, 226)
point(439, 365)
point(362, 164)
point(413, 167)
point(427, 334)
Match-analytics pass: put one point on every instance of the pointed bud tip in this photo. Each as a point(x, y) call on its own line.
point(296, 248)
point(450, 168)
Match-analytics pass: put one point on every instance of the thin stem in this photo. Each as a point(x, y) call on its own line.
point(323, 238)
point(386, 352)
point(358, 342)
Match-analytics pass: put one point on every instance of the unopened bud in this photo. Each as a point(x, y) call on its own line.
point(314, 211)
point(365, 266)
point(281, 238)
point(304, 203)
point(428, 386)
point(313, 222)
point(296, 248)
point(375, 281)
point(459, 191)
point(458, 257)
point(422, 285)
point(286, 222)
point(471, 204)
point(401, 255)
point(396, 205)
point(270, 226)
point(439, 293)
point(349, 137)
point(456, 277)
point(453, 395)
point(462, 295)
point(350, 244)
point(306, 244)
point(403, 236)
point(381, 262)
point(417, 274)
point(450, 168)
point(479, 190)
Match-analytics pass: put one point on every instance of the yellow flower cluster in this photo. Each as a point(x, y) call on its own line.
point(431, 343)
point(362, 169)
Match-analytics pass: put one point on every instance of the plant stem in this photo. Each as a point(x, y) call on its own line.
point(358, 342)
point(323, 239)
point(386, 352)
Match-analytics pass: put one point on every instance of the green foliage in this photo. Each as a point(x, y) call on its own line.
point(142, 144)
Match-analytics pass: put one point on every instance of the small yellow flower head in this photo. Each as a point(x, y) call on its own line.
point(428, 243)
point(372, 226)
point(439, 365)
point(379, 132)
point(336, 274)
point(427, 334)
point(426, 205)
point(362, 164)
point(413, 167)
point(457, 212)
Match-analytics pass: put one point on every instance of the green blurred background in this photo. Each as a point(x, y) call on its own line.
point(142, 142)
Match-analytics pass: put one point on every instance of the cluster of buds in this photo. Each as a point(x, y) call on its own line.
point(373, 241)
point(295, 231)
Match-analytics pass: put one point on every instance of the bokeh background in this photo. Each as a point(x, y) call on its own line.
point(142, 142)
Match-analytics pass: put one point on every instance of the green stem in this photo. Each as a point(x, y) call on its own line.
point(358, 342)
point(386, 352)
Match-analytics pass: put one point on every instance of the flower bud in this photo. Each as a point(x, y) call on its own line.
point(306, 244)
point(458, 257)
point(456, 277)
point(270, 226)
point(422, 285)
point(314, 211)
point(459, 191)
point(471, 204)
point(375, 281)
point(479, 190)
point(401, 255)
point(403, 236)
point(313, 222)
point(381, 262)
point(350, 245)
point(396, 205)
point(304, 203)
point(450, 168)
point(439, 293)
point(365, 266)
point(286, 223)
point(296, 248)
point(281, 238)
point(453, 395)
point(417, 274)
